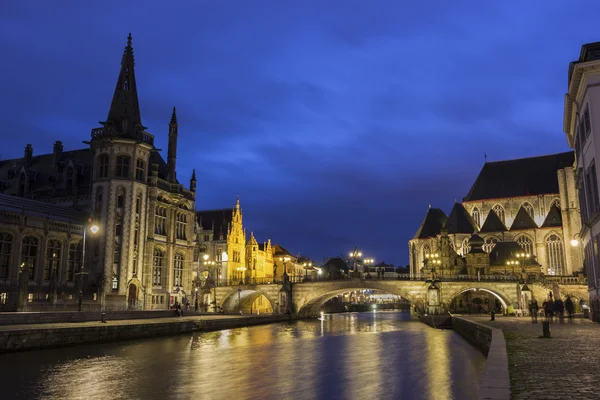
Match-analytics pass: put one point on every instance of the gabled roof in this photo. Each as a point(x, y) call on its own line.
point(505, 251)
point(553, 219)
point(493, 223)
point(520, 177)
point(280, 251)
point(432, 224)
point(523, 221)
point(460, 221)
point(219, 220)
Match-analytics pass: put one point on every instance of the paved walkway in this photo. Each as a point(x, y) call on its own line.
point(565, 366)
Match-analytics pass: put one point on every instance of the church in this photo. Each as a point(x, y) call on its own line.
point(120, 195)
point(520, 216)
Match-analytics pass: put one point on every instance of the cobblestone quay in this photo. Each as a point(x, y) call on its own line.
point(562, 367)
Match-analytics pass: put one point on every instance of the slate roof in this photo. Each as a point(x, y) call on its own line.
point(504, 251)
point(219, 220)
point(493, 223)
point(432, 224)
point(523, 221)
point(553, 219)
point(40, 209)
point(520, 177)
point(460, 221)
point(280, 251)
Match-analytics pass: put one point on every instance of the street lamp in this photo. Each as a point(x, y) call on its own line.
point(285, 260)
point(319, 272)
point(368, 262)
point(94, 229)
point(241, 271)
point(355, 255)
point(434, 259)
point(306, 267)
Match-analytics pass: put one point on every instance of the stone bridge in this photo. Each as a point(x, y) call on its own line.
point(308, 298)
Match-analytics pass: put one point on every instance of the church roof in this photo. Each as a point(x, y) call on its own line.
point(523, 221)
point(218, 220)
point(520, 177)
point(493, 223)
point(460, 221)
point(506, 251)
point(553, 219)
point(40, 209)
point(432, 224)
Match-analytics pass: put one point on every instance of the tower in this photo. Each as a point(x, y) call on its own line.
point(172, 151)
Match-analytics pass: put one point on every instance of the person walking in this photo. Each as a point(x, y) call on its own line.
point(570, 307)
point(533, 310)
point(559, 309)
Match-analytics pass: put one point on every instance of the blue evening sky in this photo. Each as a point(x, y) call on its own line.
point(337, 122)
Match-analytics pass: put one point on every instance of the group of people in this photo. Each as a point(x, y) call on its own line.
point(553, 308)
point(179, 310)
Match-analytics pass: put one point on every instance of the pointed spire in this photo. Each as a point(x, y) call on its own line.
point(174, 117)
point(124, 116)
point(193, 181)
point(172, 150)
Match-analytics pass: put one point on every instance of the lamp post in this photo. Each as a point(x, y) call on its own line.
point(434, 259)
point(355, 255)
point(94, 229)
point(306, 267)
point(241, 271)
point(319, 272)
point(284, 260)
point(369, 262)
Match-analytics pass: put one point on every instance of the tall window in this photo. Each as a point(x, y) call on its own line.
point(591, 189)
point(426, 251)
point(465, 247)
point(181, 226)
point(139, 170)
point(529, 209)
point(53, 249)
point(556, 255)
point(178, 270)
point(75, 257)
point(5, 251)
point(160, 221)
point(526, 244)
point(476, 216)
point(158, 265)
point(499, 210)
point(489, 243)
point(587, 125)
point(29, 255)
point(123, 166)
point(98, 202)
point(102, 166)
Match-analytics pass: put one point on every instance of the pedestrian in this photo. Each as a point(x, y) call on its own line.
point(533, 310)
point(570, 307)
point(559, 309)
point(549, 310)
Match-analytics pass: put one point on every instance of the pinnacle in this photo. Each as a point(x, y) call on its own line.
point(174, 116)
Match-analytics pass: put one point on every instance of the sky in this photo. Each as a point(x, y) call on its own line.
point(336, 122)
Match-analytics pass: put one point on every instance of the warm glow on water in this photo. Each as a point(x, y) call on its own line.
point(343, 356)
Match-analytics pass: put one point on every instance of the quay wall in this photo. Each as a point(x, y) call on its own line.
point(36, 337)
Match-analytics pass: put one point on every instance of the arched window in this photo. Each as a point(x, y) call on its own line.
point(157, 269)
point(120, 198)
point(476, 216)
point(123, 166)
point(140, 168)
point(181, 226)
point(102, 166)
point(160, 221)
point(526, 244)
point(53, 249)
point(29, 255)
point(555, 254)
point(465, 247)
point(529, 208)
point(5, 252)
point(75, 258)
point(499, 210)
point(426, 251)
point(489, 243)
point(178, 270)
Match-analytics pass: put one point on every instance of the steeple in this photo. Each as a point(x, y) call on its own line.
point(172, 151)
point(193, 181)
point(124, 116)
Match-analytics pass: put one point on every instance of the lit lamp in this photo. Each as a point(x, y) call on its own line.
point(306, 267)
point(94, 229)
point(355, 255)
point(284, 260)
point(575, 240)
point(241, 271)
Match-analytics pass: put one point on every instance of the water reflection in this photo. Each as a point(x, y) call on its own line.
point(377, 355)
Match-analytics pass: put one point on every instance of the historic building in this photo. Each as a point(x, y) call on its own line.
point(141, 256)
point(581, 115)
point(529, 205)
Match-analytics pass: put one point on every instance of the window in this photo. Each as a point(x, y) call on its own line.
point(98, 203)
point(526, 244)
point(160, 221)
point(555, 254)
point(5, 251)
point(489, 243)
point(75, 258)
point(586, 122)
point(117, 256)
point(529, 209)
point(118, 229)
point(499, 210)
point(102, 166)
point(219, 254)
point(53, 249)
point(123, 166)
point(178, 270)
point(426, 251)
point(591, 188)
point(29, 255)
point(157, 270)
point(465, 247)
point(476, 216)
point(181, 226)
point(115, 283)
point(207, 238)
point(139, 170)
point(120, 198)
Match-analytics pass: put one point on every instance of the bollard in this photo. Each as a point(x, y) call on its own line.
point(493, 316)
point(546, 329)
point(103, 315)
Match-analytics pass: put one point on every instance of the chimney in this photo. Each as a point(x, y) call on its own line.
point(58, 149)
point(28, 154)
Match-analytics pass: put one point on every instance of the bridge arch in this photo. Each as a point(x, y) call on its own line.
point(503, 298)
point(234, 303)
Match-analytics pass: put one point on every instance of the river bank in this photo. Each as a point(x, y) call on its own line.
point(38, 336)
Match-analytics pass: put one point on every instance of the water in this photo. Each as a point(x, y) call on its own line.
point(344, 356)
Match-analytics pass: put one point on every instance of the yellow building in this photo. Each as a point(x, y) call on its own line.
point(259, 260)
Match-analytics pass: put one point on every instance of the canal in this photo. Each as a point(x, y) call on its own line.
point(373, 355)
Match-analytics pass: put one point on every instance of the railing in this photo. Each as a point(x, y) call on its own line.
point(142, 136)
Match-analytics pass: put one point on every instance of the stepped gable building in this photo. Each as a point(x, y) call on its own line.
point(141, 256)
point(530, 203)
